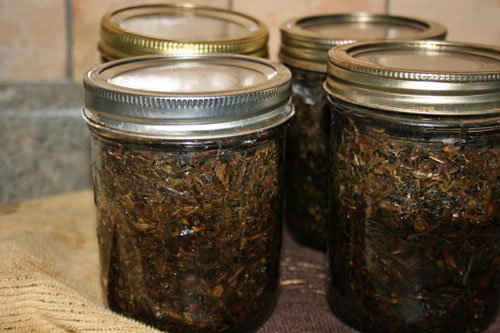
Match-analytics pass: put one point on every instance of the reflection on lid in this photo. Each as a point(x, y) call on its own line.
point(187, 28)
point(189, 78)
point(361, 30)
point(430, 60)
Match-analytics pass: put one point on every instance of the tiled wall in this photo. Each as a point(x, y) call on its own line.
point(44, 143)
point(55, 40)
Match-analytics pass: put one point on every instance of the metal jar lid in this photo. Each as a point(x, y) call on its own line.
point(417, 77)
point(187, 96)
point(180, 29)
point(305, 41)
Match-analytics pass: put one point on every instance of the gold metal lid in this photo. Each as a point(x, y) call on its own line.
point(417, 77)
point(180, 29)
point(305, 41)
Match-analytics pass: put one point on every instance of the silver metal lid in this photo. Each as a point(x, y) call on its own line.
point(187, 97)
point(417, 77)
point(305, 41)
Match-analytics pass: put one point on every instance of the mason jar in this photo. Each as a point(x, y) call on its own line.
point(304, 48)
point(414, 230)
point(180, 28)
point(187, 158)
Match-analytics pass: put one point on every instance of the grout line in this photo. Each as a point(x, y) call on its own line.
point(69, 40)
point(16, 84)
point(230, 4)
point(387, 6)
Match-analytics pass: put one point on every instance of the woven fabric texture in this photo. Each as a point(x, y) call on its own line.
point(49, 275)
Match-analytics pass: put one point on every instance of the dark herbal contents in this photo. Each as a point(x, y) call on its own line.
point(415, 237)
point(307, 162)
point(190, 237)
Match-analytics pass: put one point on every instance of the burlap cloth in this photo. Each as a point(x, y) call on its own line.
point(49, 275)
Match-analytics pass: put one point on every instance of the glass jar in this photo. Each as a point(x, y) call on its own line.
point(414, 241)
point(187, 156)
point(180, 28)
point(305, 44)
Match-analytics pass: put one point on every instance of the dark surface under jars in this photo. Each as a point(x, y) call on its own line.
point(190, 236)
point(307, 161)
point(415, 233)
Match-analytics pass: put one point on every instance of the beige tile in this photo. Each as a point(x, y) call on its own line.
point(33, 43)
point(274, 12)
point(472, 21)
point(86, 19)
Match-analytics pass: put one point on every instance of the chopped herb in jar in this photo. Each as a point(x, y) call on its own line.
point(190, 236)
point(415, 230)
point(307, 162)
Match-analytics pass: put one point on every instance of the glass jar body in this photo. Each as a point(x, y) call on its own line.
point(190, 232)
point(307, 160)
point(414, 239)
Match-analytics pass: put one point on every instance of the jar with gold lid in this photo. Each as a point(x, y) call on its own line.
point(180, 28)
point(305, 43)
point(414, 240)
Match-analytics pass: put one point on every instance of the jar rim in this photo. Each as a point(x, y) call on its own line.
point(119, 42)
point(305, 44)
point(405, 76)
point(201, 96)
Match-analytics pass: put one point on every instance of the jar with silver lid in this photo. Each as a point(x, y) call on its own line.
point(414, 240)
point(304, 48)
point(187, 155)
point(180, 28)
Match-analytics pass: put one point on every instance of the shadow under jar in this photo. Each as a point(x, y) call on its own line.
point(179, 28)
point(304, 49)
point(187, 156)
point(414, 234)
